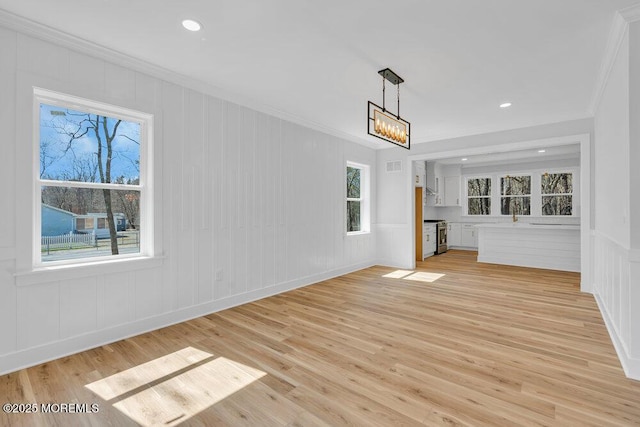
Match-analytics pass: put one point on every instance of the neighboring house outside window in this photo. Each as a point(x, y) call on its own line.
point(94, 164)
point(479, 196)
point(357, 198)
point(557, 193)
point(515, 195)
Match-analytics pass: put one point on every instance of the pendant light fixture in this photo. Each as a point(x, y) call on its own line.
point(382, 123)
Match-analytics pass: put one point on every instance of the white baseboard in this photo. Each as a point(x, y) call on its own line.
point(36, 355)
point(393, 264)
point(630, 365)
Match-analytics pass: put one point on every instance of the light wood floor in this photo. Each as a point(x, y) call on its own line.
point(479, 345)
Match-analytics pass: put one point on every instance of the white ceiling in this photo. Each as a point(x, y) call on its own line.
point(316, 62)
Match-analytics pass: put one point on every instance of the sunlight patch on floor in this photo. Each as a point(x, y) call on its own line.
point(417, 276)
point(141, 375)
point(424, 276)
point(173, 388)
point(398, 274)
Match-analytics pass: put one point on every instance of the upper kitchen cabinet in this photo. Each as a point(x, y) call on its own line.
point(432, 177)
point(452, 191)
point(419, 173)
point(433, 180)
point(444, 180)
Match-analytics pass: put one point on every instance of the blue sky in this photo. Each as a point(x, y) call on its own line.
point(61, 159)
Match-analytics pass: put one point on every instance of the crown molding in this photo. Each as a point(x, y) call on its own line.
point(43, 32)
point(631, 13)
point(621, 22)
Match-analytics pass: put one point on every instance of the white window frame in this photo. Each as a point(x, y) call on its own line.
point(530, 195)
point(574, 197)
point(490, 196)
point(145, 188)
point(365, 198)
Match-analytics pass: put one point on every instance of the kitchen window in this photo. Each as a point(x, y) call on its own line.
point(515, 195)
point(94, 170)
point(357, 198)
point(479, 196)
point(557, 194)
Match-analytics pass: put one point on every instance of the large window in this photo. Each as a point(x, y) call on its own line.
point(515, 195)
point(357, 200)
point(479, 196)
point(92, 188)
point(557, 193)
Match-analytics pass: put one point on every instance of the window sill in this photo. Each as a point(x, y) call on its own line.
point(358, 233)
point(523, 216)
point(44, 274)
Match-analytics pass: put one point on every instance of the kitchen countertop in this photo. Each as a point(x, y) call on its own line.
point(529, 226)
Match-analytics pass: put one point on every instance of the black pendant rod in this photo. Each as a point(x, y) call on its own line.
point(383, 94)
point(398, 101)
point(387, 74)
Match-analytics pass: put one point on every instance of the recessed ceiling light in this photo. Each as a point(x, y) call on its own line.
point(191, 25)
point(464, 159)
point(505, 105)
point(542, 151)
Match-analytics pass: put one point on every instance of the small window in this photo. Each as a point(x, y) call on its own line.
point(479, 196)
point(557, 194)
point(357, 200)
point(92, 171)
point(515, 192)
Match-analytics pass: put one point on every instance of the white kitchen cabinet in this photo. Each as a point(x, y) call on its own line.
point(452, 191)
point(429, 240)
point(469, 236)
point(419, 174)
point(439, 190)
point(453, 234)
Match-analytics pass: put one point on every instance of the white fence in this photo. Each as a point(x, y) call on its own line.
point(68, 241)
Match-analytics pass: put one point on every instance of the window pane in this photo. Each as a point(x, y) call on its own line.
point(74, 223)
point(557, 205)
point(353, 183)
point(353, 216)
point(515, 185)
point(557, 183)
point(519, 205)
point(479, 206)
point(479, 187)
point(75, 146)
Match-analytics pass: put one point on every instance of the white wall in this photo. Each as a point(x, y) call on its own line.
point(249, 199)
point(616, 256)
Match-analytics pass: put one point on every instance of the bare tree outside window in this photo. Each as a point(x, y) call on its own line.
point(515, 192)
point(91, 149)
point(354, 199)
point(479, 196)
point(557, 193)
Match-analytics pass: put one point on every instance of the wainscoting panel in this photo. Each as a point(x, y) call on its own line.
point(616, 279)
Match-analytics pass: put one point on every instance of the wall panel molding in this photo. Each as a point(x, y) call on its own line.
point(616, 271)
